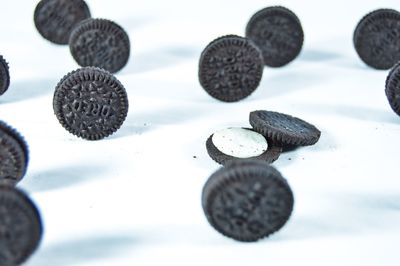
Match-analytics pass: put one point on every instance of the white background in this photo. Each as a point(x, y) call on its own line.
point(134, 198)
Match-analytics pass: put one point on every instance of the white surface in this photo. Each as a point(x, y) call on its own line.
point(134, 198)
point(239, 142)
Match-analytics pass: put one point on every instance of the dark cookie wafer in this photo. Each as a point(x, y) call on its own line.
point(100, 43)
point(392, 89)
point(283, 128)
point(55, 19)
point(90, 103)
point(20, 226)
point(4, 75)
point(14, 155)
point(277, 31)
point(247, 200)
point(230, 68)
point(270, 155)
point(377, 38)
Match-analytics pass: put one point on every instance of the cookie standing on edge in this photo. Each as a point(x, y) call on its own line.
point(4, 75)
point(100, 43)
point(55, 19)
point(278, 33)
point(230, 68)
point(377, 38)
point(392, 89)
point(90, 103)
point(20, 226)
point(283, 128)
point(247, 200)
point(14, 155)
point(241, 143)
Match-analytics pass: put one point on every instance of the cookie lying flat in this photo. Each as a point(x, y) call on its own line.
point(55, 19)
point(230, 68)
point(20, 227)
point(13, 155)
point(377, 38)
point(392, 89)
point(100, 43)
point(247, 200)
point(90, 103)
point(277, 31)
point(4, 75)
point(240, 143)
point(285, 129)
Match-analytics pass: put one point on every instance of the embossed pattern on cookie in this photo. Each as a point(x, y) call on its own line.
point(55, 19)
point(13, 155)
point(100, 43)
point(20, 226)
point(377, 38)
point(90, 103)
point(277, 31)
point(283, 128)
point(247, 200)
point(4, 75)
point(392, 88)
point(230, 68)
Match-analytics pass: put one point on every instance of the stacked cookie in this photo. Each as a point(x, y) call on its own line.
point(231, 67)
point(89, 102)
point(20, 222)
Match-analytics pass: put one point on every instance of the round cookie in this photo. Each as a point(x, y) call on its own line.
point(100, 43)
point(90, 103)
point(377, 38)
point(240, 143)
point(392, 88)
point(247, 200)
point(230, 68)
point(283, 128)
point(4, 75)
point(55, 19)
point(278, 33)
point(14, 155)
point(20, 226)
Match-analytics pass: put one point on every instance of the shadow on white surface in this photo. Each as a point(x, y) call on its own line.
point(143, 122)
point(28, 90)
point(160, 58)
point(286, 82)
point(80, 250)
point(354, 112)
point(63, 177)
point(318, 56)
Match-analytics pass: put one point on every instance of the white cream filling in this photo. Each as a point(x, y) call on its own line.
point(240, 142)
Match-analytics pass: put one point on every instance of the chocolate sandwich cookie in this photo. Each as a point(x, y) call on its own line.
point(277, 31)
point(20, 226)
point(377, 38)
point(241, 143)
point(55, 19)
point(100, 43)
point(392, 89)
point(14, 155)
point(4, 75)
point(283, 128)
point(90, 103)
point(230, 68)
point(247, 200)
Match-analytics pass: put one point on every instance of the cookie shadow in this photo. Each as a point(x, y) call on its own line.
point(81, 250)
point(57, 178)
point(354, 112)
point(159, 58)
point(314, 55)
point(27, 90)
point(140, 123)
point(286, 82)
